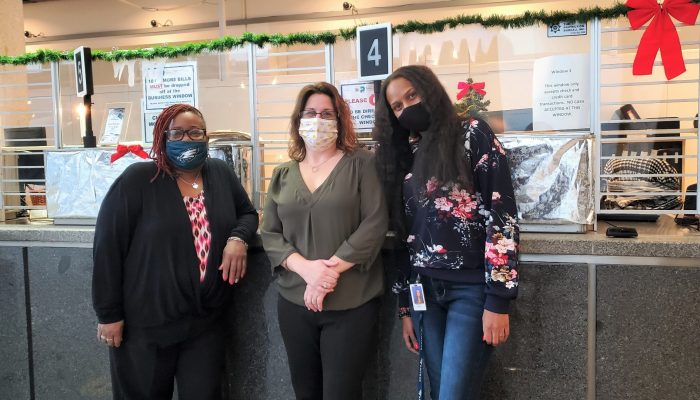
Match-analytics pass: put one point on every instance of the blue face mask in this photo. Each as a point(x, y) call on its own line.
point(186, 155)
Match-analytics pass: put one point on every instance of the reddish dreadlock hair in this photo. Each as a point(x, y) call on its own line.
point(165, 118)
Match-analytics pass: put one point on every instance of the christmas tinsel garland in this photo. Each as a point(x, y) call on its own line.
point(230, 42)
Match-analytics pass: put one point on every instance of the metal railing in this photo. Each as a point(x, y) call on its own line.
point(270, 116)
point(645, 159)
point(30, 124)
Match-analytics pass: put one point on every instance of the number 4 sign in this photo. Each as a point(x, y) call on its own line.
point(374, 52)
point(82, 56)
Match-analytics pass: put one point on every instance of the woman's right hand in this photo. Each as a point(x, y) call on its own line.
point(409, 335)
point(111, 334)
point(313, 298)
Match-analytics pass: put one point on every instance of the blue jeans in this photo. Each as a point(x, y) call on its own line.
point(455, 354)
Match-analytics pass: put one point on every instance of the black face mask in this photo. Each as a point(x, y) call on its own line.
point(415, 118)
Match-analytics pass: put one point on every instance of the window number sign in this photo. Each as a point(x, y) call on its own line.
point(374, 52)
point(83, 71)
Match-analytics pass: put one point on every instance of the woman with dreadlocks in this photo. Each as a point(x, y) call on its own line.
point(171, 238)
point(452, 206)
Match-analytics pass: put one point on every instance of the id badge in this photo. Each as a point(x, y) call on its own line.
point(417, 296)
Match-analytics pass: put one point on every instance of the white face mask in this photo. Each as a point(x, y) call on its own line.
point(318, 134)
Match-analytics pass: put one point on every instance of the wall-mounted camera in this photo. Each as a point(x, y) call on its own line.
point(29, 35)
point(156, 24)
point(347, 6)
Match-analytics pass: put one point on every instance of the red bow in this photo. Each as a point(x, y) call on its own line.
point(660, 34)
point(465, 86)
point(122, 150)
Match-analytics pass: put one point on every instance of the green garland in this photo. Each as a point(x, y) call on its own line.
point(260, 40)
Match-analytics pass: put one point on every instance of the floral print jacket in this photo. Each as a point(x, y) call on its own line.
point(466, 237)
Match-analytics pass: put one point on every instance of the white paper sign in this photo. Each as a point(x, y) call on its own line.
point(165, 84)
point(113, 126)
point(560, 93)
point(149, 121)
point(34, 67)
point(566, 29)
point(360, 97)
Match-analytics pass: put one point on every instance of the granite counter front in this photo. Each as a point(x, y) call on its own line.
point(597, 318)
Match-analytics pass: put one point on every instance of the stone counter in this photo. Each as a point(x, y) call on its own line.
point(42, 234)
point(604, 324)
point(663, 238)
point(659, 239)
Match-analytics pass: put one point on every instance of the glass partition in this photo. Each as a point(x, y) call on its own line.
point(222, 85)
point(28, 118)
point(280, 73)
point(649, 130)
point(503, 59)
point(253, 89)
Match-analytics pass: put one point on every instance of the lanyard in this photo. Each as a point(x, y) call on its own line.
point(421, 376)
point(421, 379)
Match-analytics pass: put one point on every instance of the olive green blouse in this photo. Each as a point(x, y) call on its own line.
point(345, 216)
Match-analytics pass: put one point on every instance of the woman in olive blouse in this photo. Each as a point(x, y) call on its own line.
point(323, 227)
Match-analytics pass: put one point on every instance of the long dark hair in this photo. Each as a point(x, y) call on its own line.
point(347, 138)
point(441, 153)
point(165, 118)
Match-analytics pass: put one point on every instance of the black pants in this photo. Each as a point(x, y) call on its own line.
point(328, 351)
point(143, 369)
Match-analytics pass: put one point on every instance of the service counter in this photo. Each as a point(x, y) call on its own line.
point(597, 318)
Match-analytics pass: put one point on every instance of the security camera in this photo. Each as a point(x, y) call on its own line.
point(154, 23)
point(346, 6)
point(27, 34)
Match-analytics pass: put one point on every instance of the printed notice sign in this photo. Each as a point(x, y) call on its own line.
point(165, 84)
point(567, 29)
point(149, 121)
point(113, 126)
point(560, 93)
point(360, 98)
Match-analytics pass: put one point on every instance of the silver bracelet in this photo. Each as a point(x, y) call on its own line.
point(237, 239)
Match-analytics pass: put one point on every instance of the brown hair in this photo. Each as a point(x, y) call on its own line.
point(165, 118)
point(347, 139)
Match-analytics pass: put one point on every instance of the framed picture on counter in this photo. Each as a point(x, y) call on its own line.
point(114, 123)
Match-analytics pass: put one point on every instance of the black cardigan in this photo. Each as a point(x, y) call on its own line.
point(145, 265)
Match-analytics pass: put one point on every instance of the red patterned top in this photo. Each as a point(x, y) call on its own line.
point(200, 230)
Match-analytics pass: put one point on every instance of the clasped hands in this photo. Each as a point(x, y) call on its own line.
point(321, 277)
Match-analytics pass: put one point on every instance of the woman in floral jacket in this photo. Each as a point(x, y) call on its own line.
point(452, 206)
